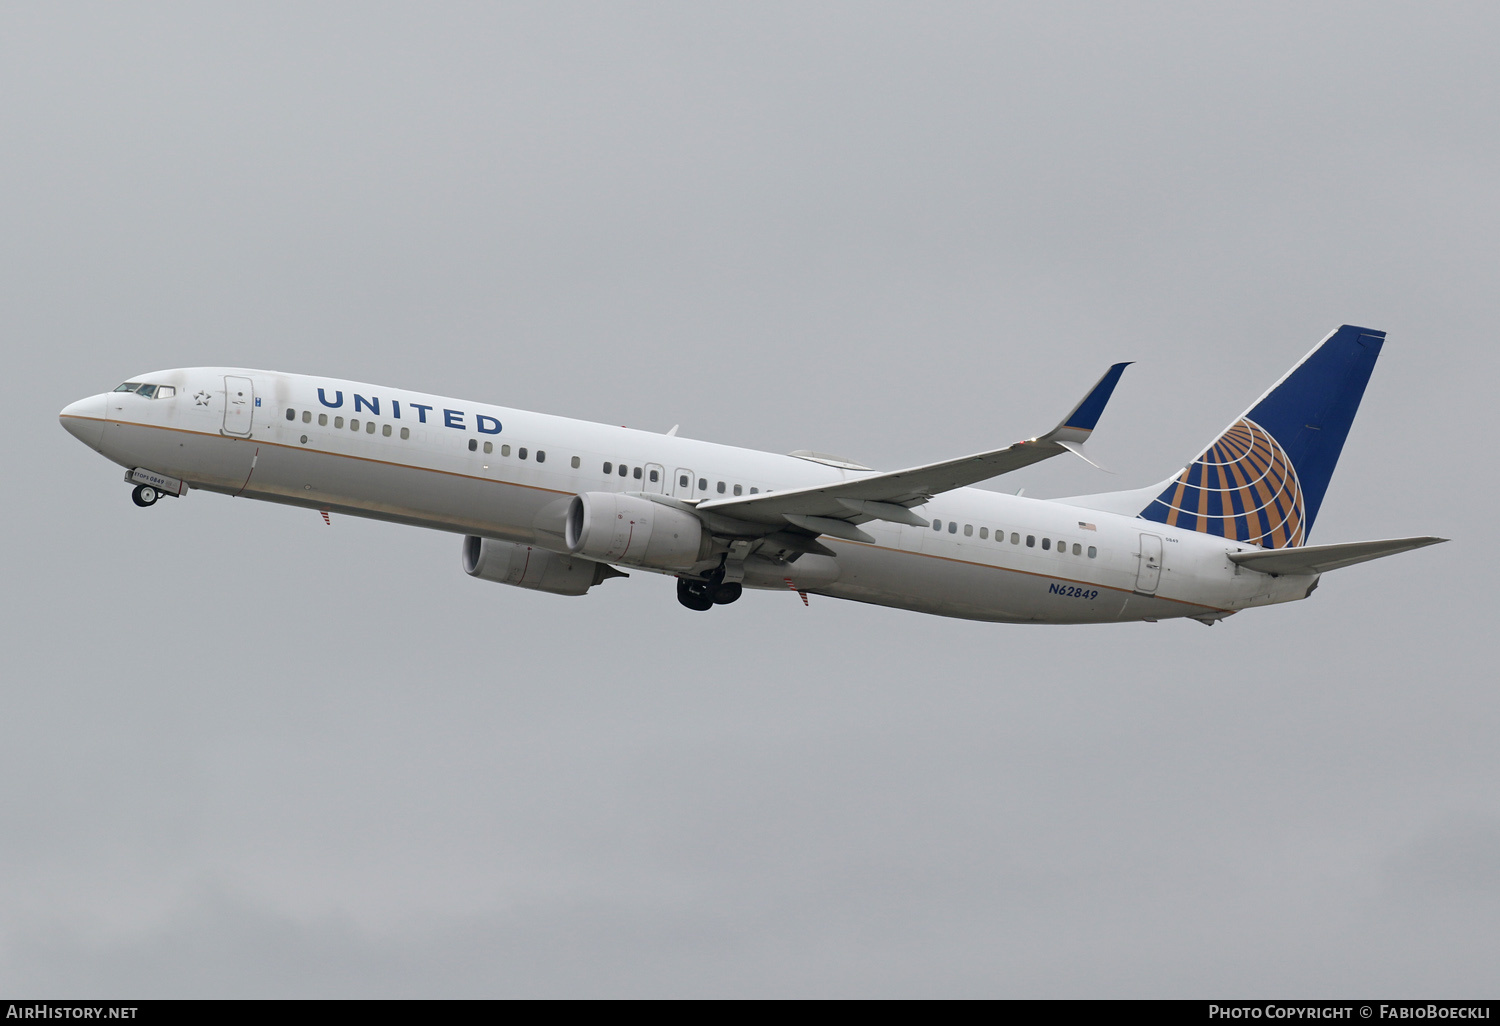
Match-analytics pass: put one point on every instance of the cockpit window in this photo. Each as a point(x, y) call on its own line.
point(148, 391)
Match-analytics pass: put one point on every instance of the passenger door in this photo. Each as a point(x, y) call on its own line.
point(682, 483)
point(239, 406)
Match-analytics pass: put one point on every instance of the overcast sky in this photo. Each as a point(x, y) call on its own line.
point(248, 754)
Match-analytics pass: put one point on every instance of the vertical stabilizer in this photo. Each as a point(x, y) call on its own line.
point(1263, 480)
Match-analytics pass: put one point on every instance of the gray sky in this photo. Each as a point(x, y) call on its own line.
point(247, 754)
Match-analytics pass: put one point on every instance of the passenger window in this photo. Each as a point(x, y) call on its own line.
point(575, 458)
point(1031, 541)
point(1093, 552)
point(703, 484)
point(721, 487)
point(1077, 549)
point(636, 473)
point(353, 425)
point(1046, 543)
point(291, 414)
point(754, 491)
point(323, 420)
point(541, 457)
point(937, 525)
point(1015, 539)
point(953, 527)
point(489, 447)
point(385, 432)
point(307, 416)
point(473, 444)
point(405, 432)
point(624, 470)
point(521, 452)
point(369, 427)
point(338, 422)
point(654, 476)
point(609, 468)
point(968, 530)
point(682, 481)
point(738, 490)
point(984, 532)
point(505, 450)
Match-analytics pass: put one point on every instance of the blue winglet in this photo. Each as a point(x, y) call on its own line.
point(1086, 414)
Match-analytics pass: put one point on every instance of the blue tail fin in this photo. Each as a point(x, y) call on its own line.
point(1264, 478)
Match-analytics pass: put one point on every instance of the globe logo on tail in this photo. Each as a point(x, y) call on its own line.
point(1243, 488)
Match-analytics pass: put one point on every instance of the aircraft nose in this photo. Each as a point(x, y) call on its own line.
point(84, 420)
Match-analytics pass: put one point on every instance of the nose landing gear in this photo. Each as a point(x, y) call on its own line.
point(150, 486)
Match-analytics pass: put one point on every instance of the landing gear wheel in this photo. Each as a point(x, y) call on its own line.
point(727, 593)
point(695, 595)
point(145, 495)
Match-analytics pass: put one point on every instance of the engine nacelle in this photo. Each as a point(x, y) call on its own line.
point(614, 528)
point(526, 566)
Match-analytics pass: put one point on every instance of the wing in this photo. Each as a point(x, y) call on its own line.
point(1317, 559)
point(832, 508)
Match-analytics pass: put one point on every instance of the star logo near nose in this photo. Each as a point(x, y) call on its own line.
point(201, 398)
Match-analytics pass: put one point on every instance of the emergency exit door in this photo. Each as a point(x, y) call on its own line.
point(656, 479)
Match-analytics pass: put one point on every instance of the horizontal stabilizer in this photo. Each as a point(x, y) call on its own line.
point(1316, 559)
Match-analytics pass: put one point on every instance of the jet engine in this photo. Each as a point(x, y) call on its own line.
point(526, 566)
point(614, 528)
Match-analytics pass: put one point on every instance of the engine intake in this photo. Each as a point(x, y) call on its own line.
point(614, 528)
point(526, 566)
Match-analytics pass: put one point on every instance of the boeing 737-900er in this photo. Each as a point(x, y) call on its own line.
point(557, 505)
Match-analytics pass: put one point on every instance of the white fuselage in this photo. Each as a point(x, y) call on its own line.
point(458, 466)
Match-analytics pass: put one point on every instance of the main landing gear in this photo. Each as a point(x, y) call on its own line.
point(145, 495)
point(704, 595)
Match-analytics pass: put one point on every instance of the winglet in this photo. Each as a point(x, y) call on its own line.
point(1078, 425)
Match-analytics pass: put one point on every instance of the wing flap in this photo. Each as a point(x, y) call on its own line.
point(1317, 559)
point(827, 525)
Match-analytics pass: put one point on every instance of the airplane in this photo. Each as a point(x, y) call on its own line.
point(558, 505)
